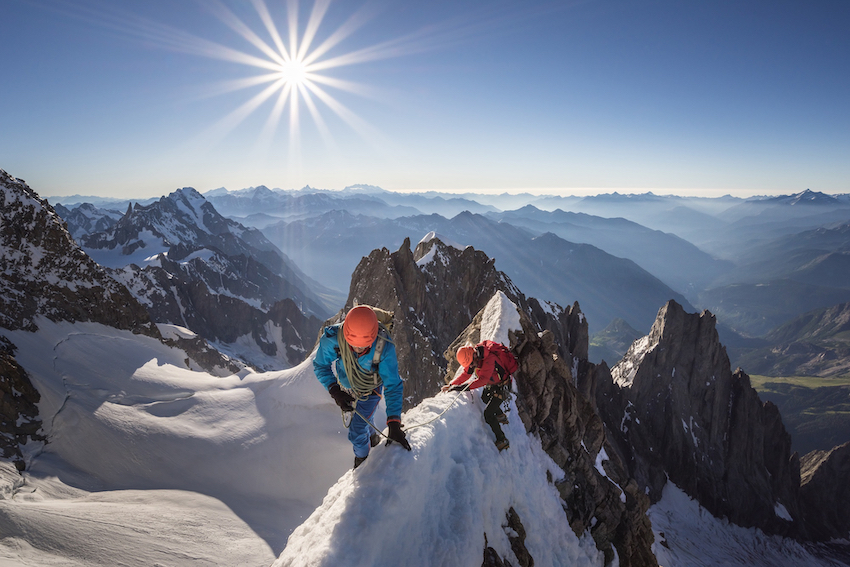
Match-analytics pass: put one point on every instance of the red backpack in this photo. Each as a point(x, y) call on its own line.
point(505, 358)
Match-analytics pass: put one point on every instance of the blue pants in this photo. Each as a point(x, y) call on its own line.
point(359, 431)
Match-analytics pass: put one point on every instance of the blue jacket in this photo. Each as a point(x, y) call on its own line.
point(327, 356)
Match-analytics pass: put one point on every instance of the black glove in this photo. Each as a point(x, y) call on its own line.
point(397, 435)
point(458, 388)
point(342, 399)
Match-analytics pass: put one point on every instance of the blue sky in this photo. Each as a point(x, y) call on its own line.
point(691, 97)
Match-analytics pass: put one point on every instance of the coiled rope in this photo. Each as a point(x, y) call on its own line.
point(362, 381)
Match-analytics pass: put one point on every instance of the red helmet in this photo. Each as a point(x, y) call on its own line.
point(464, 355)
point(360, 327)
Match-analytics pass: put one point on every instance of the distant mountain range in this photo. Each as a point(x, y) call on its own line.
point(816, 343)
point(545, 266)
point(755, 262)
point(675, 261)
point(194, 268)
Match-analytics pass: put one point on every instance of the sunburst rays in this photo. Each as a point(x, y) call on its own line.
point(293, 65)
point(292, 71)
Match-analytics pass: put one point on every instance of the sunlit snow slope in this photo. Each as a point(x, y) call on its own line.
point(152, 463)
point(434, 505)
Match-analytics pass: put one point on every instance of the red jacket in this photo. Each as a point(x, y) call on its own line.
point(498, 363)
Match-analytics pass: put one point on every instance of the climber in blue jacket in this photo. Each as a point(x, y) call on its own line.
point(357, 366)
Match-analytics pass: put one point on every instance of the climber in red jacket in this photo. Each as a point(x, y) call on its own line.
point(491, 364)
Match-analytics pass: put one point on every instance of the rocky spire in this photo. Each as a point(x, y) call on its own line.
point(675, 409)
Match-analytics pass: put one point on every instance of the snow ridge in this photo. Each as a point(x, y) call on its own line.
point(436, 503)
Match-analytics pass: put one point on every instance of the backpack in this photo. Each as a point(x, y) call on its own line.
point(506, 358)
point(385, 328)
point(509, 359)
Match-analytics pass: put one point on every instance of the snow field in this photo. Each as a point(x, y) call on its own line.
point(125, 415)
point(695, 538)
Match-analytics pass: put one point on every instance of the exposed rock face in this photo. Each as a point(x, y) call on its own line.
point(183, 293)
point(19, 421)
point(597, 493)
point(438, 294)
point(44, 272)
point(825, 493)
point(435, 291)
point(674, 408)
point(516, 535)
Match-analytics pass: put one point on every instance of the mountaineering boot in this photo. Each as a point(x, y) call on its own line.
point(502, 444)
point(358, 461)
point(374, 439)
point(502, 418)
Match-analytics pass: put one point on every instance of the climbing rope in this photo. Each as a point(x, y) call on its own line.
point(407, 428)
point(362, 381)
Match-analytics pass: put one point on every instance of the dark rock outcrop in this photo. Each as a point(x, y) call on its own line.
point(174, 293)
point(825, 493)
point(675, 410)
point(19, 420)
point(598, 495)
point(43, 272)
point(516, 535)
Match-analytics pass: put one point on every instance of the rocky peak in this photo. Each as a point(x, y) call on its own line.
point(435, 291)
point(184, 223)
point(262, 192)
point(812, 197)
point(86, 219)
point(675, 410)
point(191, 267)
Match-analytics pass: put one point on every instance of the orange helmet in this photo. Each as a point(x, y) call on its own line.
point(464, 355)
point(360, 327)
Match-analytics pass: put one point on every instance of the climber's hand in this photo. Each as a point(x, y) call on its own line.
point(396, 434)
point(343, 399)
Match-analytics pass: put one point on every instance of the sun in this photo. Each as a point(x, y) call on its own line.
point(294, 73)
point(290, 61)
point(292, 69)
